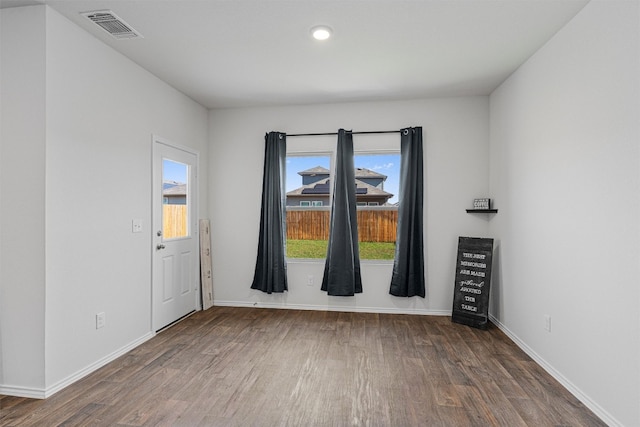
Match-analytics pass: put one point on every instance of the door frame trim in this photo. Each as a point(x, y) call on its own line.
point(156, 139)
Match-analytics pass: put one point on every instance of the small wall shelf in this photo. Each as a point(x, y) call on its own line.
point(482, 210)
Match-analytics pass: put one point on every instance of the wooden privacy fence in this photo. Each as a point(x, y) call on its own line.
point(373, 225)
point(377, 225)
point(174, 221)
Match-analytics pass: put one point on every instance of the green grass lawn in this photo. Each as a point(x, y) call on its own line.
point(318, 249)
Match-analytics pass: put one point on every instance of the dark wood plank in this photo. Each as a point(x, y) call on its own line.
point(244, 366)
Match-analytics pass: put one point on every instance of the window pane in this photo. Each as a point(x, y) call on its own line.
point(377, 188)
point(308, 199)
point(175, 198)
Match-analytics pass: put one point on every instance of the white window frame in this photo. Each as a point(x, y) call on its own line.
point(373, 152)
point(298, 148)
point(312, 147)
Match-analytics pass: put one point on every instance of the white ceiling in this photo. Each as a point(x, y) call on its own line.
point(237, 53)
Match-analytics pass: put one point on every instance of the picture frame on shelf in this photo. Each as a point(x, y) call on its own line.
point(483, 203)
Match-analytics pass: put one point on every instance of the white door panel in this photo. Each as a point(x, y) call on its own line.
point(175, 234)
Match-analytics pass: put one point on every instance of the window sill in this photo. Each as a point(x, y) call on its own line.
point(305, 260)
point(322, 261)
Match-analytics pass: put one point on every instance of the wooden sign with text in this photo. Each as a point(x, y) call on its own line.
point(473, 277)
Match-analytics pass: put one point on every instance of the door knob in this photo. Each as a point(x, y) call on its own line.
point(160, 246)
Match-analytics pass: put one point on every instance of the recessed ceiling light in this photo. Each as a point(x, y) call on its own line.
point(321, 32)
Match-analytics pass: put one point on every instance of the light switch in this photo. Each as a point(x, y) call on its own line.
point(136, 226)
point(101, 320)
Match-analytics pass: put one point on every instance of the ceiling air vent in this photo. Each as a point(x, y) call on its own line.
point(112, 24)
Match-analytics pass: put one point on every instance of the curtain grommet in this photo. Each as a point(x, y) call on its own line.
point(406, 132)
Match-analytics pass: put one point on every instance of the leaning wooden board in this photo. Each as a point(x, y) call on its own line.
point(473, 277)
point(205, 264)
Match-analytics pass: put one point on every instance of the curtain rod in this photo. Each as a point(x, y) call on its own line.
point(335, 133)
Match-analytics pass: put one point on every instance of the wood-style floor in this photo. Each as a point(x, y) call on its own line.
point(261, 367)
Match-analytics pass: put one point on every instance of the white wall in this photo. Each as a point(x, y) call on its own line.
point(456, 171)
point(95, 153)
point(75, 159)
point(22, 197)
point(565, 175)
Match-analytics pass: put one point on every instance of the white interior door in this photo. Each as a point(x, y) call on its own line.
point(175, 234)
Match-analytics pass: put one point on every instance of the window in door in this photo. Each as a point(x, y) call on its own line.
point(175, 198)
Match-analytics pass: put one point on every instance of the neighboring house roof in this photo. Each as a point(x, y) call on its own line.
point(311, 189)
point(318, 170)
point(174, 189)
point(322, 188)
point(359, 172)
point(368, 173)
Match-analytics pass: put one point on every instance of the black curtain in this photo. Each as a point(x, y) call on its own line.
point(271, 267)
point(408, 266)
point(342, 267)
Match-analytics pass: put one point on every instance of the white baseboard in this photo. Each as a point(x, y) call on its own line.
point(97, 365)
point(38, 393)
point(31, 393)
point(349, 309)
point(579, 394)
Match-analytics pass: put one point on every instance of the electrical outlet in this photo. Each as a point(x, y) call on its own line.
point(309, 280)
point(101, 320)
point(547, 323)
point(136, 226)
